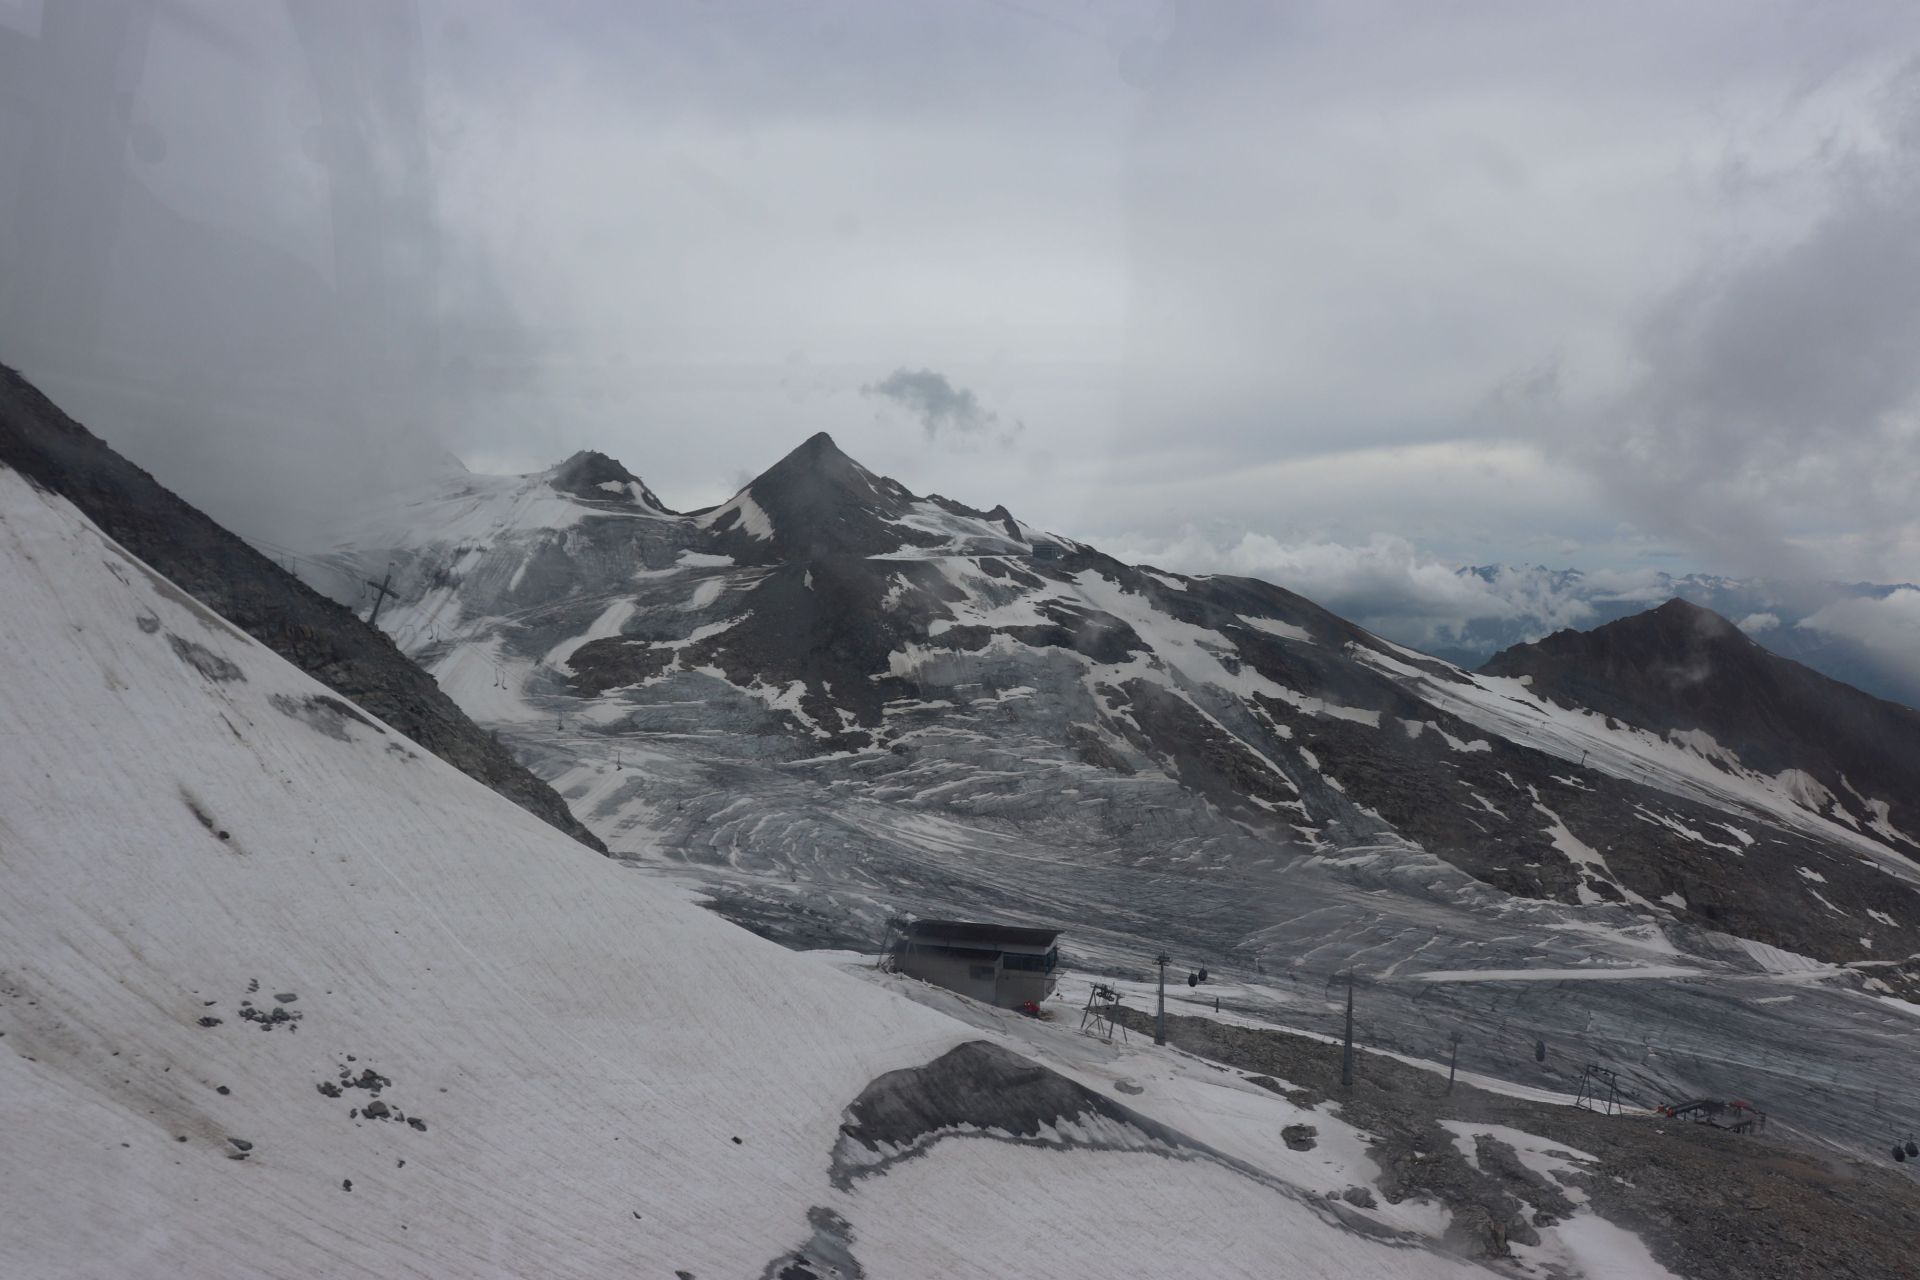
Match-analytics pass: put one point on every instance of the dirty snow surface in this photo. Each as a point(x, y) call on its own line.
point(283, 995)
point(848, 701)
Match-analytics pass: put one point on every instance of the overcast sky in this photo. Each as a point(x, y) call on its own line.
point(1323, 291)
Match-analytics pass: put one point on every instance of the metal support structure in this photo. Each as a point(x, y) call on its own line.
point(1599, 1090)
point(1102, 1012)
point(1454, 1060)
point(381, 590)
point(1160, 1022)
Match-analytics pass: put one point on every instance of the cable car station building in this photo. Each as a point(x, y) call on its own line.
point(1004, 965)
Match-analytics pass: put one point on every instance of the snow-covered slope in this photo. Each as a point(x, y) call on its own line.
point(284, 995)
point(314, 633)
point(827, 700)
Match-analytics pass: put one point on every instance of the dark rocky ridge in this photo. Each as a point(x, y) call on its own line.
point(322, 638)
point(1681, 667)
point(585, 472)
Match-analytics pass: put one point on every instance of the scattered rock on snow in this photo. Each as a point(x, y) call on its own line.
point(1300, 1137)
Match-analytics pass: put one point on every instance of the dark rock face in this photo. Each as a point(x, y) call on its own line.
point(213, 566)
point(984, 1091)
point(594, 477)
point(1680, 668)
point(821, 503)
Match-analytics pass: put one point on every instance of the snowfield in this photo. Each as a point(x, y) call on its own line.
point(283, 995)
point(888, 706)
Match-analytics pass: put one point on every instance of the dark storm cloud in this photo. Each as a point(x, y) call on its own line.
point(1248, 262)
point(1777, 396)
point(222, 248)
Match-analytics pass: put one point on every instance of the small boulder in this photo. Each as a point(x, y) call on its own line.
point(1300, 1137)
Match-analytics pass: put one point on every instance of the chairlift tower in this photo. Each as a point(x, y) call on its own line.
point(1599, 1090)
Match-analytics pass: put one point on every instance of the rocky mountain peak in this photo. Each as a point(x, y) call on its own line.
point(596, 477)
point(1685, 671)
point(819, 447)
point(814, 503)
point(1702, 622)
point(818, 470)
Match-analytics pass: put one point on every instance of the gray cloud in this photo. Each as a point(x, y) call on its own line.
point(1387, 584)
point(241, 275)
point(1776, 398)
point(1885, 624)
point(1250, 263)
point(941, 408)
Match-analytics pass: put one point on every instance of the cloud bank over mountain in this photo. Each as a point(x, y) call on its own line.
point(1858, 632)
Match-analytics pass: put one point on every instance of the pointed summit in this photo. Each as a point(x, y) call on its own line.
point(819, 444)
point(1705, 622)
point(818, 456)
point(1685, 671)
point(1672, 654)
point(815, 502)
